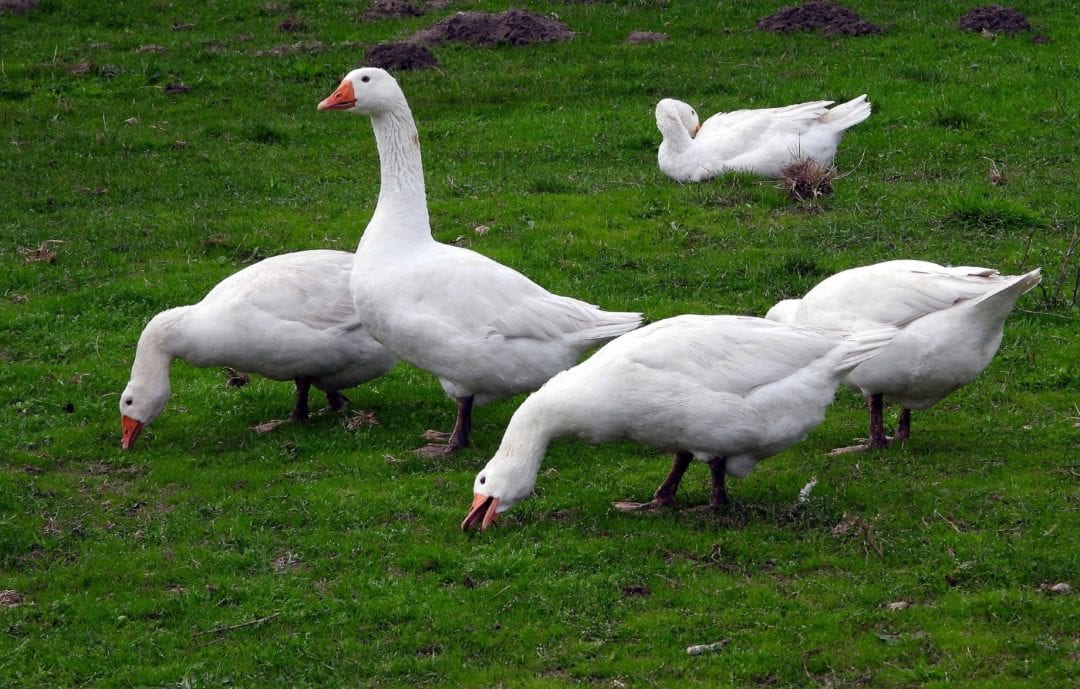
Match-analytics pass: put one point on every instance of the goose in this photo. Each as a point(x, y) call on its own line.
point(726, 390)
point(952, 321)
point(289, 317)
point(485, 330)
point(762, 141)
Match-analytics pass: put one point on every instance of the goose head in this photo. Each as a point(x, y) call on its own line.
point(783, 311)
point(672, 114)
point(498, 487)
point(368, 91)
point(139, 405)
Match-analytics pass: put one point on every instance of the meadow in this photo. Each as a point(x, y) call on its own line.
point(327, 554)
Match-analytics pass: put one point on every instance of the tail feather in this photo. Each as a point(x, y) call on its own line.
point(849, 114)
point(615, 323)
point(1002, 300)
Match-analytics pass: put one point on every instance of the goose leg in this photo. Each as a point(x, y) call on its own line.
point(457, 439)
point(718, 495)
point(335, 400)
point(303, 387)
point(878, 440)
point(903, 426)
point(665, 494)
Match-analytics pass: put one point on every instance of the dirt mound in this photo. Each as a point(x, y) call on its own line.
point(646, 37)
point(833, 20)
point(514, 27)
point(994, 18)
point(17, 6)
point(399, 56)
point(390, 9)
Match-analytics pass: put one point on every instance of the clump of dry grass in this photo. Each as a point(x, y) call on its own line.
point(805, 180)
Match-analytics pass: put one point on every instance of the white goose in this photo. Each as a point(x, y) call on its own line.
point(760, 141)
point(727, 390)
point(952, 321)
point(289, 317)
point(487, 331)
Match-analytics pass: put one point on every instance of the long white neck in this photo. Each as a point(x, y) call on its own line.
point(401, 214)
point(158, 346)
point(534, 425)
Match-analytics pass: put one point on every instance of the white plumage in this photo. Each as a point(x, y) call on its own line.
point(487, 331)
point(289, 317)
point(952, 321)
point(727, 390)
point(762, 141)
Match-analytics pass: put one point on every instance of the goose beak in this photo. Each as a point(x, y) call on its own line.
point(696, 130)
point(481, 513)
point(342, 98)
point(132, 429)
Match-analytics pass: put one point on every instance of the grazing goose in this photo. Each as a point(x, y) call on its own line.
point(761, 141)
point(487, 331)
point(952, 321)
point(289, 317)
point(727, 390)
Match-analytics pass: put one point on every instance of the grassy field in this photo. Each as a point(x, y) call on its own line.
point(318, 556)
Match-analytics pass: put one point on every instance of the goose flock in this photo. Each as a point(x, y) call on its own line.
point(728, 391)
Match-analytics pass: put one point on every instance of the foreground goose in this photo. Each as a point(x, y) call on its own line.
point(487, 331)
point(952, 321)
point(727, 390)
point(761, 141)
point(289, 317)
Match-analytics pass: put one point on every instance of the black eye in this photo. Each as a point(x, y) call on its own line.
point(483, 480)
point(128, 402)
point(365, 79)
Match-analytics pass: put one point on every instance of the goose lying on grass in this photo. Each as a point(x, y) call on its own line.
point(952, 321)
point(763, 141)
point(727, 390)
point(289, 317)
point(487, 331)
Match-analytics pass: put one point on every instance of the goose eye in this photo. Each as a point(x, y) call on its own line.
point(365, 79)
point(483, 480)
point(128, 402)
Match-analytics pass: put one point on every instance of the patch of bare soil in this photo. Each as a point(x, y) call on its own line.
point(647, 37)
point(832, 20)
point(292, 24)
point(513, 27)
point(391, 9)
point(18, 6)
point(400, 56)
point(994, 18)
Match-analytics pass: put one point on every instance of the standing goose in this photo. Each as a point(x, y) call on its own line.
point(763, 141)
point(952, 321)
point(288, 317)
point(487, 331)
point(727, 390)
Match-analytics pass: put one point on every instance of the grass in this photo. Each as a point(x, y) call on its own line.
point(317, 556)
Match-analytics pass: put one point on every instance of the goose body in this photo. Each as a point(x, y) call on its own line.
point(289, 317)
point(727, 390)
point(762, 141)
point(487, 331)
point(951, 321)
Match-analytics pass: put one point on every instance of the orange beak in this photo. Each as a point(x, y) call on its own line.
point(132, 429)
point(341, 99)
point(696, 130)
point(481, 513)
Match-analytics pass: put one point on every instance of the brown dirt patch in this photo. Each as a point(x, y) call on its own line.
point(647, 37)
point(994, 18)
point(292, 24)
point(391, 9)
point(17, 6)
point(805, 180)
point(513, 27)
point(832, 20)
point(10, 598)
point(399, 56)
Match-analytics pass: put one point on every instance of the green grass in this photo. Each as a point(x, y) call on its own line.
point(341, 548)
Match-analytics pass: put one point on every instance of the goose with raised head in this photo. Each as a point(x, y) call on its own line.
point(951, 321)
point(487, 331)
point(726, 390)
point(762, 141)
point(289, 317)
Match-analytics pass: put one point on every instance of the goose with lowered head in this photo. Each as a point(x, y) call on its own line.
point(726, 390)
point(289, 317)
point(951, 319)
point(762, 141)
point(487, 331)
